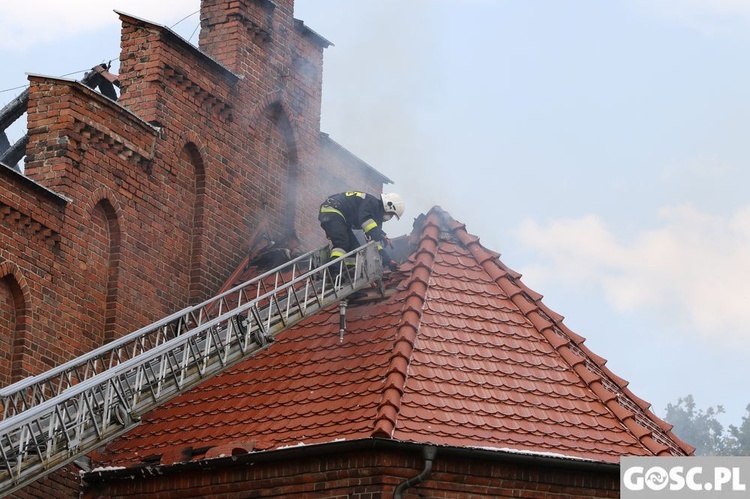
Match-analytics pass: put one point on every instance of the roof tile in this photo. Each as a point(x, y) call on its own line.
point(462, 354)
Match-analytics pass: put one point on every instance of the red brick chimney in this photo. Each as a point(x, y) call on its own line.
point(246, 35)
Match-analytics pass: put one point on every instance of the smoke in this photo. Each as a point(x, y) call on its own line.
point(376, 86)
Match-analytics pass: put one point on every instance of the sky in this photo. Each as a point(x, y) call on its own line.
point(600, 147)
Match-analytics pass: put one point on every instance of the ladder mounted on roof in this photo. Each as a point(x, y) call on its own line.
point(52, 418)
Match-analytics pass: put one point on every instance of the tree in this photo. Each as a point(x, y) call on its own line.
point(738, 441)
point(702, 430)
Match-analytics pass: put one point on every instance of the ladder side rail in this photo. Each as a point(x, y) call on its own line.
point(139, 333)
point(231, 335)
point(215, 354)
point(292, 304)
point(78, 442)
point(65, 369)
point(183, 339)
point(308, 283)
point(322, 273)
point(185, 342)
point(173, 362)
point(258, 328)
point(367, 268)
point(90, 409)
point(271, 303)
point(65, 441)
point(143, 374)
point(280, 303)
point(64, 429)
point(76, 417)
point(109, 405)
point(177, 363)
point(57, 380)
point(13, 398)
point(251, 334)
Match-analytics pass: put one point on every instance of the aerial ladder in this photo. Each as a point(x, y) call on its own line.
point(51, 419)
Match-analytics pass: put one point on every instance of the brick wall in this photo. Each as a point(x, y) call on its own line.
point(358, 474)
point(131, 210)
point(63, 484)
point(31, 225)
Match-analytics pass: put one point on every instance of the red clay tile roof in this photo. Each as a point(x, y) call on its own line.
point(461, 354)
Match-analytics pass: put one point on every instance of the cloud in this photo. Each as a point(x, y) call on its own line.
point(27, 24)
point(693, 270)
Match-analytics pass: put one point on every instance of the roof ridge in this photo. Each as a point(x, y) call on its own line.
point(653, 433)
point(403, 346)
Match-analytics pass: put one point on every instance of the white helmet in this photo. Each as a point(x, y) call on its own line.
point(393, 203)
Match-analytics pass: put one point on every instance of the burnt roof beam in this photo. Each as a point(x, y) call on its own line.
point(15, 153)
point(98, 76)
point(101, 78)
point(14, 110)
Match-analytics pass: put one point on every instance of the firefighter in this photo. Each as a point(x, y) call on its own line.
point(342, 213)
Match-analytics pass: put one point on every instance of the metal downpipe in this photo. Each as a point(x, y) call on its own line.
point(429, 452)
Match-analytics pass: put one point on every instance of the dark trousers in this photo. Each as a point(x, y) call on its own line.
point(342, 237)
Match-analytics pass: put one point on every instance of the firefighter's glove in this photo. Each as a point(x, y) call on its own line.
point(377, 234)
point(387, 260)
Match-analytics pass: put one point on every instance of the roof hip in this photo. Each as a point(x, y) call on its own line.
point(390, 404)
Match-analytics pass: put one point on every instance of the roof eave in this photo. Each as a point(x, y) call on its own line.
point(372, 444)
point(324, 136)
point(305, 30)
point(54, 196)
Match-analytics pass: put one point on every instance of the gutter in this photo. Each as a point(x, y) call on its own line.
point(371, 444)
point(428, 453)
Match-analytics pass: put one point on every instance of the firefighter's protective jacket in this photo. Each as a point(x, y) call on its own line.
point(359, 210)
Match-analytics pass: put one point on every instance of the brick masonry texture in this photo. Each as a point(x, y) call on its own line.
point(130, 210)
point(133, 209)
point(361, 474)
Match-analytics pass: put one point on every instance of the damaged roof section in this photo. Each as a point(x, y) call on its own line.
point(11, 154)
point(99, 78)
point(458, 353)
